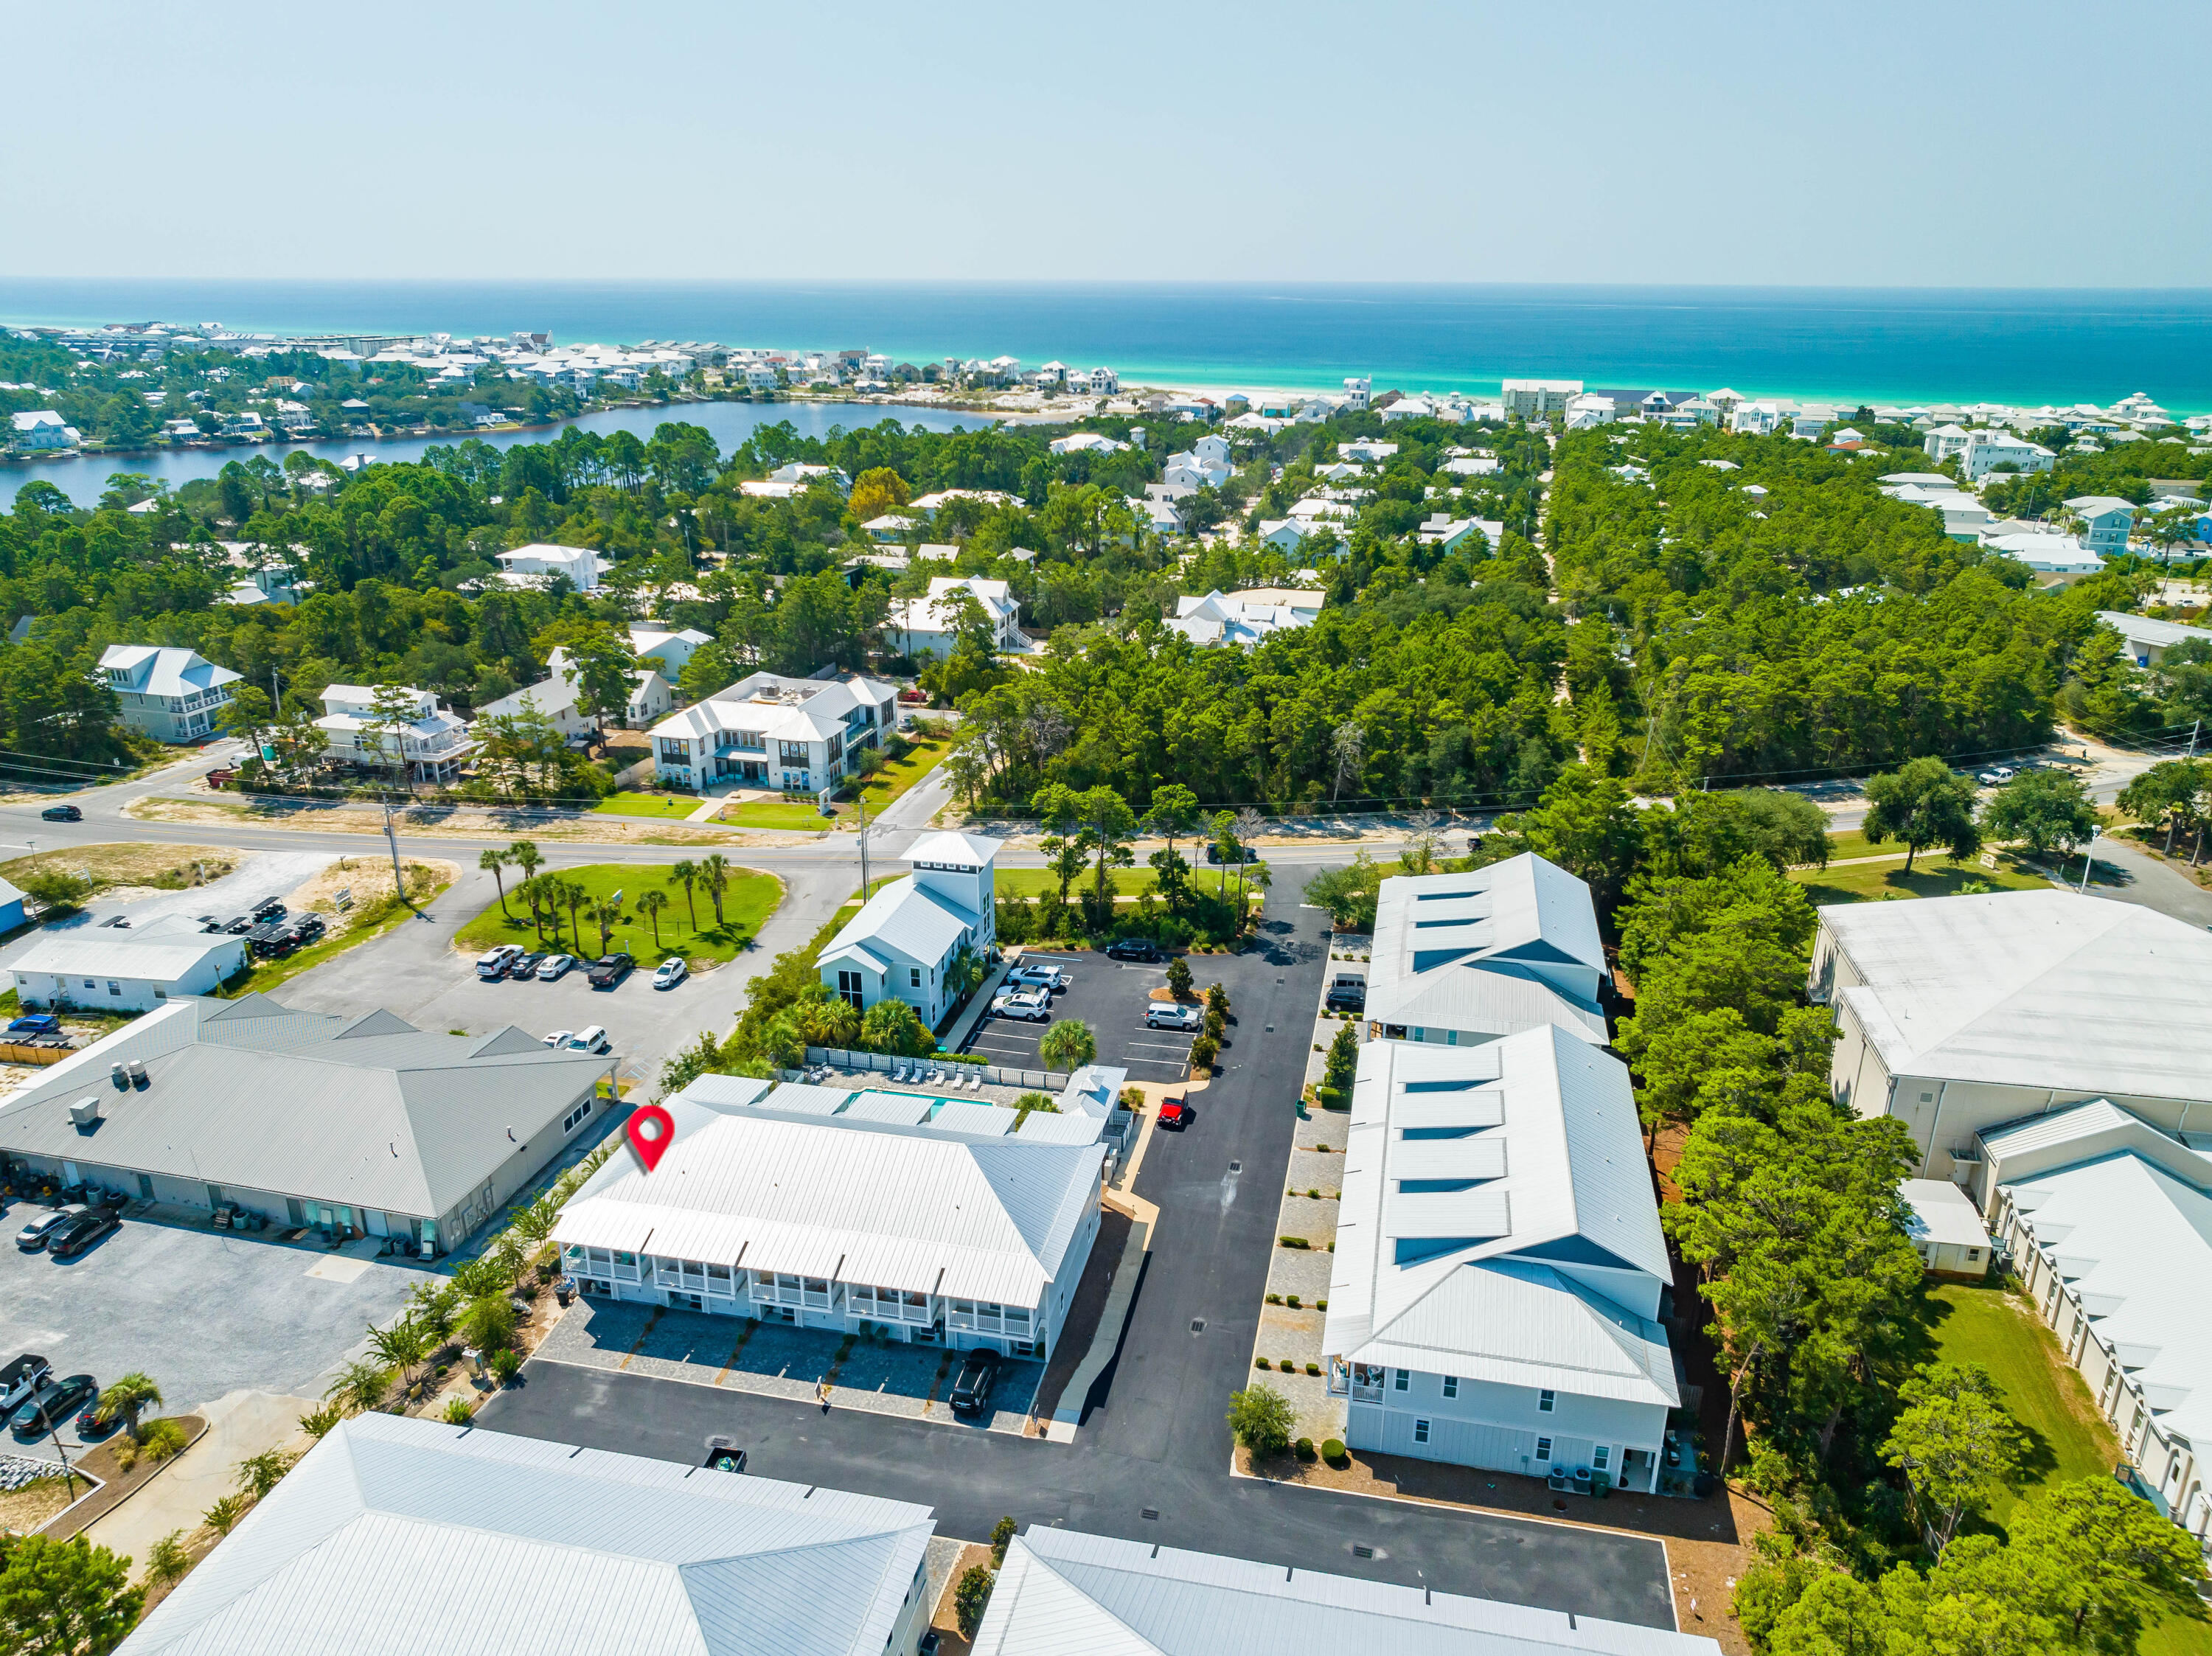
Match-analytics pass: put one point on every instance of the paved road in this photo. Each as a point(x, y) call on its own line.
point(1155, 1437)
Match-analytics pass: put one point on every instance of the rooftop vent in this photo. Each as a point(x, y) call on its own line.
point(85, 1111)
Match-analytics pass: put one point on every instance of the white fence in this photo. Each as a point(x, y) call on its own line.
point(1040, 1081)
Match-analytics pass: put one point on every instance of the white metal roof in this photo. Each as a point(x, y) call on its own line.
point(165, 669)
point(959, 850)
point(394, 1537)
point(1943, 1213)
point(1065, 1593)
point(2135, 1244)
point(910, 921)
point(162, 954)
point(2042, 989)
point(2145, 629)
point(1491, 951)
point(869, 1201)
point(1417, 1267)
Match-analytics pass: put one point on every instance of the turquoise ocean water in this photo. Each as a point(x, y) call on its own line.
point(2022, 347)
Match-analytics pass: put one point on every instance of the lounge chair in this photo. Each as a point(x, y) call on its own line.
point(975, 1081)
point(898, 1072)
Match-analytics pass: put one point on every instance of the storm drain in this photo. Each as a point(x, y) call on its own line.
point(1151, 1512)
point(1363, 1552)
point(1198, 1325)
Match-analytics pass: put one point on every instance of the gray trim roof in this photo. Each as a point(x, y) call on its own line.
point(368, 1110)
point(165, 669)
point(395, 1535)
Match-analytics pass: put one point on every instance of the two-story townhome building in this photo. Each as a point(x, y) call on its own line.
point(1497, 1299)
point(905, 940)
point(170, 693)
point(1985, 450)
point(2106, 522)
point(769, 732)
point(431, 740)
point(929, 627)
point(1462, 959)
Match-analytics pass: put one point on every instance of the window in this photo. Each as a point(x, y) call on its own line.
point(1401, 1378)
point(113, 987)
point(848, 988)
point(1599, 1455)
point(1420, 1431)
point(1451, 1386)
point(1973, 1253)
point(914, 972)
point(1543, 1448)
point(1545, 1400)
point(1451, 1037)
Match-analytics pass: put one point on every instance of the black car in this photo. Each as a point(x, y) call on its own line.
point(62, 813)
point(1242, 854)
point(1134, 949)
point(1348, 994)
point(54, 1403)
point(269, 908)
point(40, 1231)
point(527, 966)
point(81, 1232)
point(608, 970)
point(972, 1387)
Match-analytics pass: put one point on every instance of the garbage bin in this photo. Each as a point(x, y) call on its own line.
point(564, 1290)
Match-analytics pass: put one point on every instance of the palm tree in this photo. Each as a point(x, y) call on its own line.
point(573, 895)
point(526, 856)
point(492, 862)
point(607, 914)
point(687, 876)
point(1067, 1046)
point(649, 904)
point(714, 875)
point(401, 1346)
point(130, 1397)
point(360, 1386)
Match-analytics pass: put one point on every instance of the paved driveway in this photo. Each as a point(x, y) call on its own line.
point(204, 1311)
point(1153, 1439)
point(1113, 997)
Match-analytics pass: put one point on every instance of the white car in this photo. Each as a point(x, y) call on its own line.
point(1997, 776)
point(493, 962)
point(1174, 1018)
point(550, 969)
point(670, 973)
point(1033, 1004)
point(559, 1037)
point(1037, 977)
point(593, 1039)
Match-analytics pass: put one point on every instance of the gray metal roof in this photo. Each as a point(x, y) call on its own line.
point(911, 919)
point(160, 954)
point(369, 1111)
point(2145, 629)
point(395, 1536)
point(1523, 1150)
point(165, 669)
point(1065, 1593)
point(2042, 989)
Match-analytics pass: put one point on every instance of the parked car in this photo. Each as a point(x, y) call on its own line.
point(608, 970)
point(1161, 1015)
point(593, 1039)
point(1032, 1005)
point(913, 695)
point(35, 1023)
point(559, 1038)
point(62, 813)
point(1244, 854)
point(90, 1427)
point(670, 973)
point(1997, 775)
point(52, 1404)
point(1134, 949)
point(269, 908)
point(20, 1379)
point(36, 1234)
point(81, 1231)
point(972, 1387)
point(527, 965)
point(1348, 994)
point(1174, 1113)
point(1038, 977)
point(492, 964)
point(555, 967)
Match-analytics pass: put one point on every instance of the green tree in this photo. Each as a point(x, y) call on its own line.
point(258, 1474)
point(2105, 1562)
point(1067, 1046)
point(493, 861)
point(971, 1598)
point(1921, 804)
point(607, 914)
point(602, 667)
point(2048, 811)
point(1349, 893)
point(129, 1398)
point(1179, 977)
point(1955, 1444)
point(1586, 823)
point(686, 874)
point(649, 904)
point(488, 1325)
point(893, 1025)
point(715, 872)
point(1173, 815)
point(360, 1386)
point(1261, 1418)
point(166, 1562)
point(64, 1597)
point(2172, 792)
point(1343, 1062)
point(391, 715)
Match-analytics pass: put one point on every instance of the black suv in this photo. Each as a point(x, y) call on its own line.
point(972, 1387)
point(1134, 949)
point(608, 970)
point(62, 813)
point(1348, 994)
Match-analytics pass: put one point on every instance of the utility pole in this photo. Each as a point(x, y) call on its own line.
point(398, 881)
point(2193, 730)
point(276, 693)
point(68, 1470)
point(863, 797)
point(2088, 862)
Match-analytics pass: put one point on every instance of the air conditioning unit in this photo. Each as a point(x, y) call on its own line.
point(86, 1111)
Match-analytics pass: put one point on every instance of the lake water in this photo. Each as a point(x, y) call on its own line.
point(1881, 345)
point(84, 477)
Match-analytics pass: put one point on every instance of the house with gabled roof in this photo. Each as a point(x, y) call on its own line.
point(171, 693)
point(907, 937)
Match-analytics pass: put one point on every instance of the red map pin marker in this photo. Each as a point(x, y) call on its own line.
point(651, 1131)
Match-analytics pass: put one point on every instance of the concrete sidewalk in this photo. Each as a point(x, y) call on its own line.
point(239, 1426)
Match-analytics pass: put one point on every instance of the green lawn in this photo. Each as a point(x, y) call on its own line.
point(1129, 883)
point(1852, 843)
point(676, 806)
point(1931, 876)
point(747, 901)
point(774, 814)
point(900, 775)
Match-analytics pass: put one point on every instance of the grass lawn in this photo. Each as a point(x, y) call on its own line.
point(1129, 883)
point(1852, 843)
point(1931, 876)
point(747, 901)
point(900, 775)
point(774, 814)
point(166, 868)
point(676, 806)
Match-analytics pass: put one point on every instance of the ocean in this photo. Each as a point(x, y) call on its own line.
point(1901, 346)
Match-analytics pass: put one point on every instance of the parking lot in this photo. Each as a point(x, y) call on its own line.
point(204, 1311)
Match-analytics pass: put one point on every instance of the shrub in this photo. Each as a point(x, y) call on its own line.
point(1293, 1241)
point(163, 1440)
point(1313, 1368)
point(1305, 1450)
point(1132, 1098)
point(1288, 1365)
point(1261, 1417)
point(1314, 1193)
point(1179, 977)
point(166, 1560)
point(318, 1422)
point(459, 1411)
point(1259, 1362)
point(1274, 1299)
point(506, 1363)
point(970, 1598)
point(1203, 1051)
point(1002, 1533)
point(487, 1324)
point(225, 1513)
point(1332, 1453)
point(1320, 1305)
point(1217, 1000)
point(126, 1453)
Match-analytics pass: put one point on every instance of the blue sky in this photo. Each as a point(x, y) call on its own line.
point(1884, 144)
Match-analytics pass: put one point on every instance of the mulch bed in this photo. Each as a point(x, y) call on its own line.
point(117, 1485)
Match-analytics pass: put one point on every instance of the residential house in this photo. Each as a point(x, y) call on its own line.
point(124, 970)
point(1585, 411)
point(1443, 531)
point(904, 942)
point(1987, 451)
point(1242, 618)
point(806, 473)
point(929, 625)
point(532, 565)
point(1157, 514)
point(432, 741)
point(1191, 470)
point(1534, 399)
point(1965, 518)
point(1498, 1288)
point(42, 431)
point(2105, 1217)
point(892, 527)
point(1945, 440)
point(2107, 522)
point(11, 906)
point(1755, 418)
point(558, 698)
point(360, 1124)
point(1462, 959)
point(769, 732)
point(1957, 1013)
point(2148, 640)
point(167, 691)
point(1359, 392)
point(1085, 442)
point(395, 1533)
point(650, 641)
point(2054, 559)
point(927, 507)
point(1062, 1591)
point(1368, 451)
point(935, 1220)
